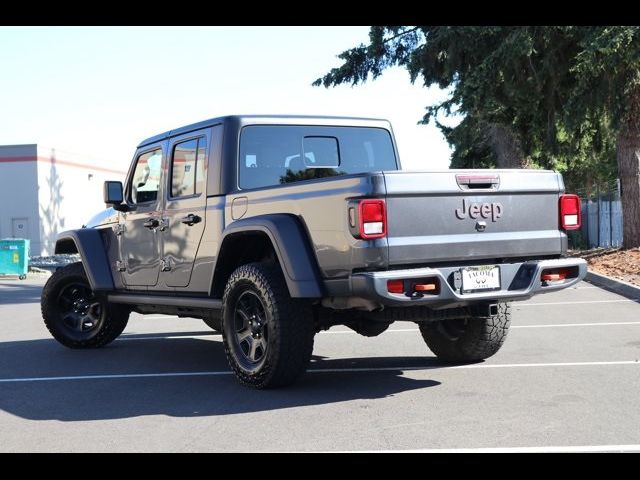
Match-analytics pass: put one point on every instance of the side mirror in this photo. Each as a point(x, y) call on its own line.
point(112, 194)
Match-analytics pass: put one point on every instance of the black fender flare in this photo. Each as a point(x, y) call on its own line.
point(88, 243)
point(292, 247)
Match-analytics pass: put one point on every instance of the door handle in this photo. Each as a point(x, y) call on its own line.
point(190, 219)
point(151, 223)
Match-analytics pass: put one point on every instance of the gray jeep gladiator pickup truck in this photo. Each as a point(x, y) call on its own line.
point(272, 228)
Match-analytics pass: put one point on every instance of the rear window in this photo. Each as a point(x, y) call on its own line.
point(275, 155)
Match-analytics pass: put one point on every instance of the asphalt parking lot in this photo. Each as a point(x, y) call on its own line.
point(568, 377)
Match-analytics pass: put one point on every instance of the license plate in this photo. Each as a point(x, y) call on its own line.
point(478, 279)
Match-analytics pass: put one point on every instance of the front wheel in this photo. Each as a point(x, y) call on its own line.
point(213, 322)
point(268, 336)
point(75, 315)
point(467, 340)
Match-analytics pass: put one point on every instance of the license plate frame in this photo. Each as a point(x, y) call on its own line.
point(470, 283)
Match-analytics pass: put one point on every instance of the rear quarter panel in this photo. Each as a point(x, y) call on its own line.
point(321, 208)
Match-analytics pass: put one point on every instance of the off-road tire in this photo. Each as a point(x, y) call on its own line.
point(468, 340)
point(110, 321)
point(213, 323)
point(289, 331)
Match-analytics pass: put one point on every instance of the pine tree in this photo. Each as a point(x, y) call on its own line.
point(555, 97)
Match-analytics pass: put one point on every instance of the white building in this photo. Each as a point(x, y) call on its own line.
point(43, 193)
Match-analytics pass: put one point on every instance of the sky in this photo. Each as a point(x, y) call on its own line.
point(95, 92)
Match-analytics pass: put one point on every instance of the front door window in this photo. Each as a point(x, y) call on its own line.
point(146, 177)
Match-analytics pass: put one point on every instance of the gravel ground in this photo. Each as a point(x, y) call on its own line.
point(621, 264)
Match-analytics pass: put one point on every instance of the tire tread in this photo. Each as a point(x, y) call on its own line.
point(293, 326)
point(483, 337)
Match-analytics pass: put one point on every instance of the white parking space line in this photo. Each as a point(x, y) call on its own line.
point(114, 376)
point(476, 366)
point(391, 330)
point(561, 325)
point(518, 304)
point(575, 303)
point(161, 317)
point(170, 337)
point(565, 449)
point(552, 325)
point(318, 370)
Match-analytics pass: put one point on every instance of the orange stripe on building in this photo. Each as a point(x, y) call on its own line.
point(29, 158)
point(17, 159)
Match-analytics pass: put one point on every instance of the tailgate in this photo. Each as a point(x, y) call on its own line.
point(459, 215)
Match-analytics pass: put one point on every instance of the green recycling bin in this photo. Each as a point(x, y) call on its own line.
point(14, 257)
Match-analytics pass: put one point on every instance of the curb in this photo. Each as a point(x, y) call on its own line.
point(613, 285)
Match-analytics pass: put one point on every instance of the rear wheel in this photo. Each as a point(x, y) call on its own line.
point(468, 340)
point(268, 336)
point(75, 315)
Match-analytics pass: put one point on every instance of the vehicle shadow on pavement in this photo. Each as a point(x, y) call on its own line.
point(187, 396)
point(12, 293)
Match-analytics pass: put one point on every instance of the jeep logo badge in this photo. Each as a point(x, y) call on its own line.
point(484, 210)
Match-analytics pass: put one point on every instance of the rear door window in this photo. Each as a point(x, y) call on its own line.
point(187, 167)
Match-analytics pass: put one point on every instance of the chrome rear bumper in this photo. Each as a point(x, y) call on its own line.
point(518, 281)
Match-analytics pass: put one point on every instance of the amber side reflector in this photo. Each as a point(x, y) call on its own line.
point(425, 287)
point(395, 286)
point(551, 275)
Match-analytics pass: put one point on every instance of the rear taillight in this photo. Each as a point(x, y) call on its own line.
point(570, 214)
point(373, 219)
point(395, 286)
point(414, 288)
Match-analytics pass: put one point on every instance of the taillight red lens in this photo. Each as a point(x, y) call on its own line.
point(395, 286)
point(372, 211)
point(570, 212)
point(373, 219)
